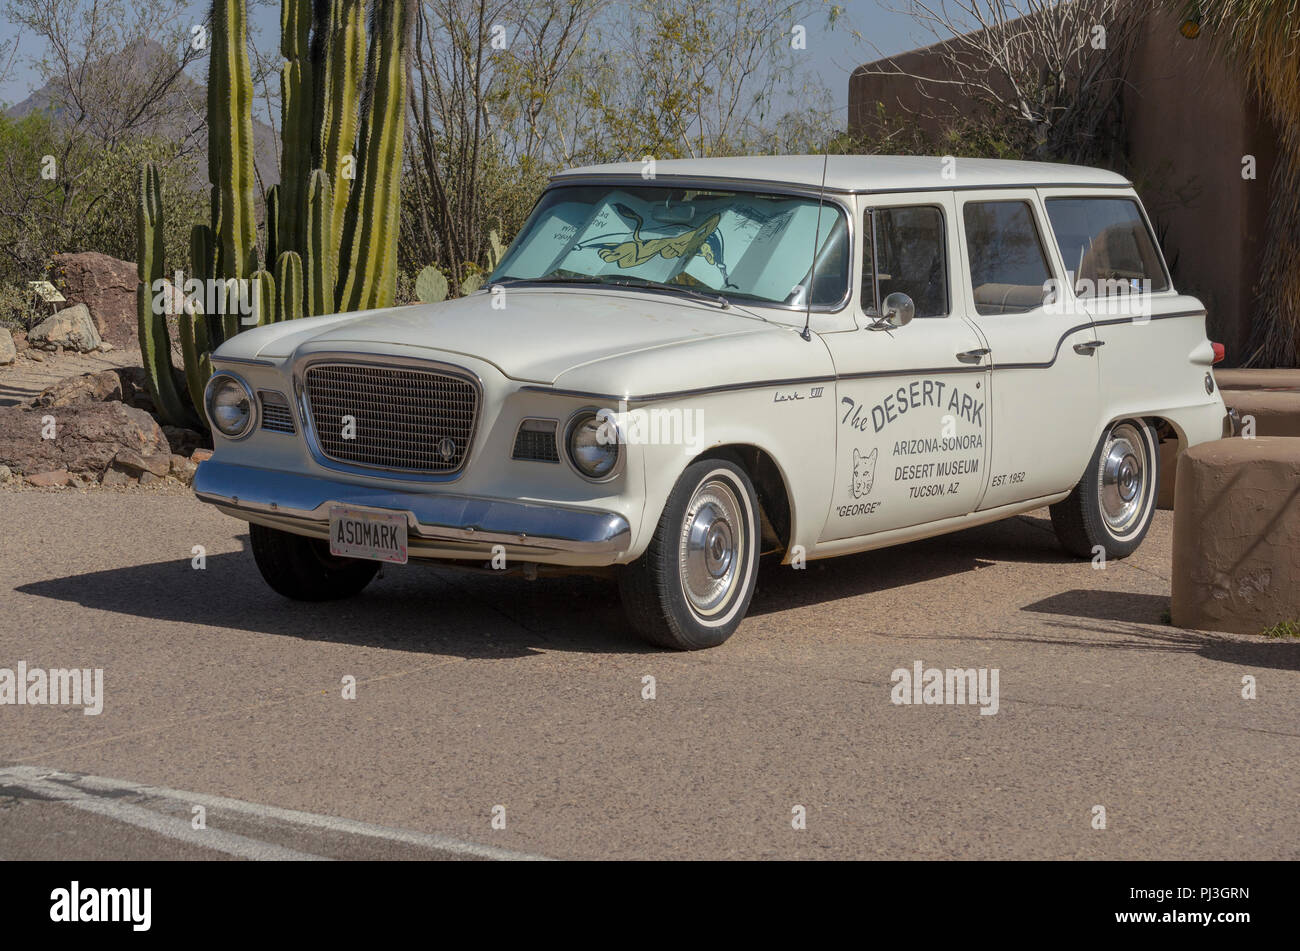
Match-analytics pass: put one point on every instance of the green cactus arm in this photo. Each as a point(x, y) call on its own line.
point(288, 286)
point(201, 252)
point(230, 132)
point(195, 349)
point(295, 151)
point(237, 302)
point(319, 266)
point(264, 297)
point(369, 245)
point(272, 225)
point(155, 342)
point(339, 77)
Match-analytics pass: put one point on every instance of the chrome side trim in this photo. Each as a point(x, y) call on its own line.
point(244, 361)
point(302, 503)
point(865, 375)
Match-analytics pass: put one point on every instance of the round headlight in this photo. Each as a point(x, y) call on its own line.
point(593, 445)
point(230, 405)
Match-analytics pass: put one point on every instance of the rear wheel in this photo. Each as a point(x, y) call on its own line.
point(693, 585)
point(303, 568)
point(1112, 506)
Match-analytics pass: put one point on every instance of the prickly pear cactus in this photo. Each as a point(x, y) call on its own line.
point(431, 285)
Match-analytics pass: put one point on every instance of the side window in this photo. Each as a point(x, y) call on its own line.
point(910, 258)
point(1106, 246)
point(1008, 268)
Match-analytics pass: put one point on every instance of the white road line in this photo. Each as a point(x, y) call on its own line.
point(172, 827)
point(55, 784)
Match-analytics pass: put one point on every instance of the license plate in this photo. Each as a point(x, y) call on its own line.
point(365, 533)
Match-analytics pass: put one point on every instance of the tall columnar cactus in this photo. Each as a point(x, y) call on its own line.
point(297, 110)
point(155, 342)
point(196, 349)
point(321, 249)
point(264, 297)
point(331, 222)
point(272, 224)
point(369, 247)
point(339, 58)
point(230, 136)
point(203, 267)
point(288, 283)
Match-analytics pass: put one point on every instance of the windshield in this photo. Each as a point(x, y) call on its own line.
point(734, 244)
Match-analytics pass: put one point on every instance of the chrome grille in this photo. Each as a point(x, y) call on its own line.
point(408, 420)
point(276, 415)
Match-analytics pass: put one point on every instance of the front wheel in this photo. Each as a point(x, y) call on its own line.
point(303, 568)
point(1112, 506)
point(693, 585)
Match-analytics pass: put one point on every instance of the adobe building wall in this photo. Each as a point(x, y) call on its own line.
point(1189, 121)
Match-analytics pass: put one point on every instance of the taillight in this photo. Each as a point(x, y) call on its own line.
point(1219, 352)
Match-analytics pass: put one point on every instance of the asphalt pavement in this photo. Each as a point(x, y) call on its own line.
point(497, 717)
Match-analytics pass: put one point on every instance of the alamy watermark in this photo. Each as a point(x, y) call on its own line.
point(951, 686)
point(1100, 298)
point(57, 686)
point(657, 426)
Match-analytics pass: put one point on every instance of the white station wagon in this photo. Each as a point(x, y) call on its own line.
point(677, 369)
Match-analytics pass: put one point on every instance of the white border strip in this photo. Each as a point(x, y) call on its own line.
point(85, 792)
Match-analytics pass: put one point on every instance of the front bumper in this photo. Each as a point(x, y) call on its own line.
point(438, 525)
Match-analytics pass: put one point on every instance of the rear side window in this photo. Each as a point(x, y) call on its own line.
point(1008, 268)
point(910, 258)
point(1106, 246)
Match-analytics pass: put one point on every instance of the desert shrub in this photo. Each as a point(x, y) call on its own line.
point(17, 308)
point(62, 194)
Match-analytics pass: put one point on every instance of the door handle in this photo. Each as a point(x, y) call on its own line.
point(1088, 347)
point(973, 354)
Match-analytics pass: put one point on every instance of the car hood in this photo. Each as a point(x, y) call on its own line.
point(533, 335)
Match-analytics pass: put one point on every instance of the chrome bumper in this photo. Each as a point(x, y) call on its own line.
point(438, 525)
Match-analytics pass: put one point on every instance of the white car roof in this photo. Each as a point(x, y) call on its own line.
point(865, 173)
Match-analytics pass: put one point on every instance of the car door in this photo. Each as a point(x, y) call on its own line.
point(1113, 261)
point(1043, 394)
point(910, 402)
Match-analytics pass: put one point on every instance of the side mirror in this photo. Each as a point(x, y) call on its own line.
point(899, 309)
point(898, 312)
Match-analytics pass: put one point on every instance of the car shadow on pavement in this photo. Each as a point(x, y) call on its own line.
point(825, 580)
point(417, 608)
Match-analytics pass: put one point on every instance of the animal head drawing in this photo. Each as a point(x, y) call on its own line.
point(864, 472)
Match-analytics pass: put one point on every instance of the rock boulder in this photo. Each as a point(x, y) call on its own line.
point(88, 437)
point(106, 285)
point(70, 329)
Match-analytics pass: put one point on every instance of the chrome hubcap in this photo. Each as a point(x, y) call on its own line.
point(1123, 479)
point(712, 545)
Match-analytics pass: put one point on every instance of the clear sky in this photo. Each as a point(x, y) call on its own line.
point(831, 56)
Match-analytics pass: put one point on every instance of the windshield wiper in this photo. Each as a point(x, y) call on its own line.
point(631, 281)
point(554, 279)
point(628, 281)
